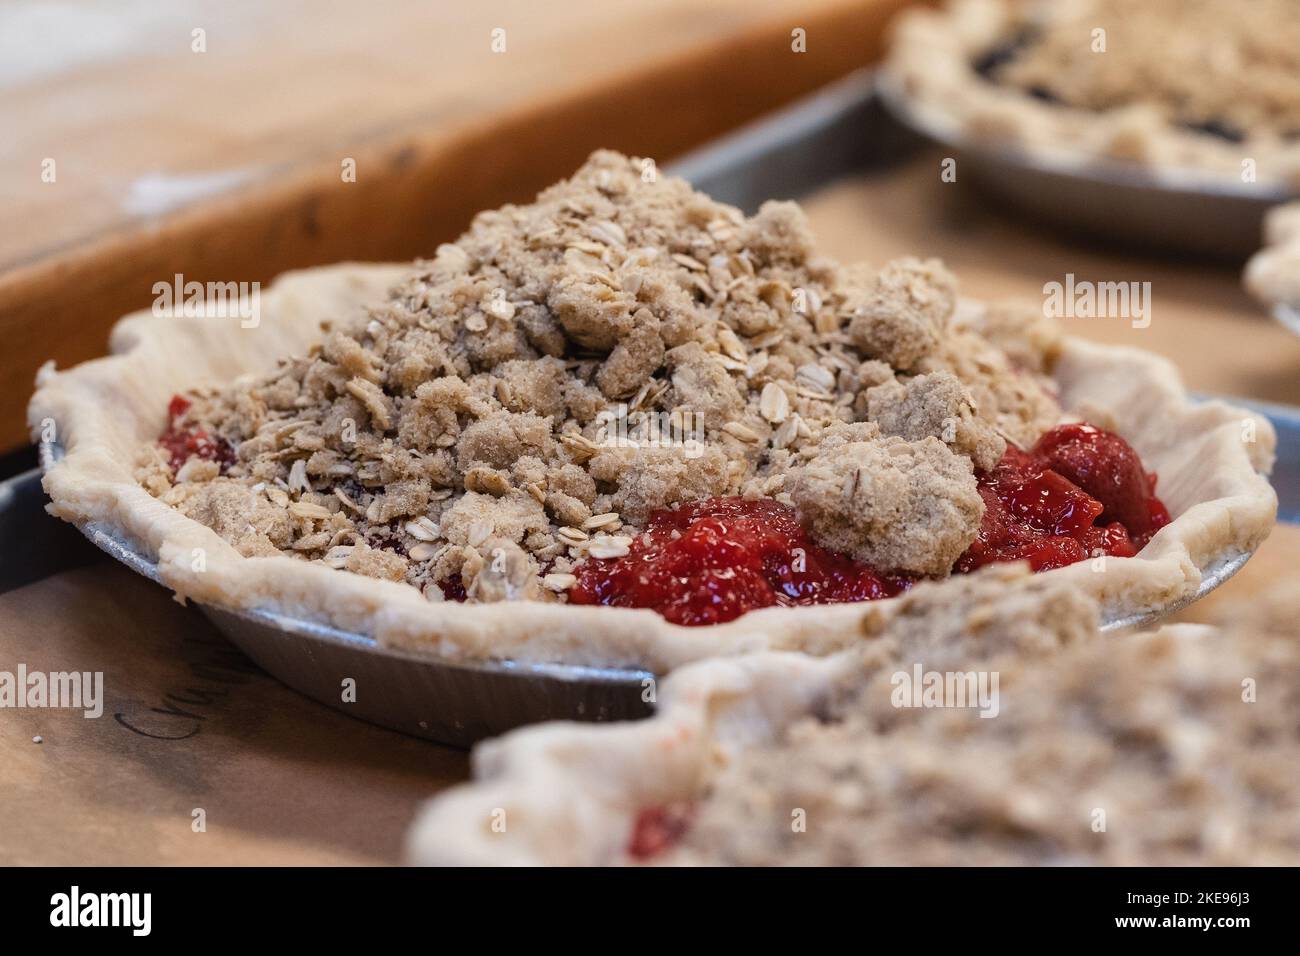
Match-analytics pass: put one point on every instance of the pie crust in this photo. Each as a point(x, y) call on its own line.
point(1273, 274)
point(1151, 728)
point(932, 67)
point(1210, 458)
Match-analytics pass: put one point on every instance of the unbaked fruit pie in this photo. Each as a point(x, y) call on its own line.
point(673, 430)
point(1175, 88)
point(1103, 751)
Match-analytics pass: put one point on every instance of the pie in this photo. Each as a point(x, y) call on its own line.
point(1273, 274)
point(673, 430)
point(1156, 749)
point(1178, 89)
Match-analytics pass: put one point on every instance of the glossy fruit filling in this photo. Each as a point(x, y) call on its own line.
point(1078, 493)
point(710, 561)
point(656, 829)
point(182, 442)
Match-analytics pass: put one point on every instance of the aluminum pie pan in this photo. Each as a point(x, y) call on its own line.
point(456, 702)
point(1182, 212)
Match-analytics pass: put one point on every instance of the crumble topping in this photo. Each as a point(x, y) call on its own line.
point(999, 609)
point(464, 435)
point(936, 405)
point(905, 311)
point(1228, 69)
point(1155, 731)
point(887, 502)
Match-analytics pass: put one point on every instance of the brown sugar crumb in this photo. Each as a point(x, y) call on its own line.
point(470, 425)
point(937, 406)
point(1156, 731)
point(702, 383)
point(648, 479)
point(1014, 398)
point(905, 312)
point(476, 517)
point(896, 505)
point(1029, 339)
point(1002, 608)
point(376, 563)
point(500, 571)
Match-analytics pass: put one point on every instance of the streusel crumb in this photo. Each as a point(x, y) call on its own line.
point(905, 312)
point(905, 505)
point(485, 426)
point(936, 405)
point(1144, 749)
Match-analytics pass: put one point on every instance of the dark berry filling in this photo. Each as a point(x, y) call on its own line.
point(994, 58)
point(1219, 129)
point(453, 589)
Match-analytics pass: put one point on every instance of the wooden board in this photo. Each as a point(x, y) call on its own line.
point(247, 139)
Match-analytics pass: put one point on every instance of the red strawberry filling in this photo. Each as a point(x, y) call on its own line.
point(1106, 467)
point(1080, 492)
point(183, 442)
point(711, 561)
point(656, 829)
